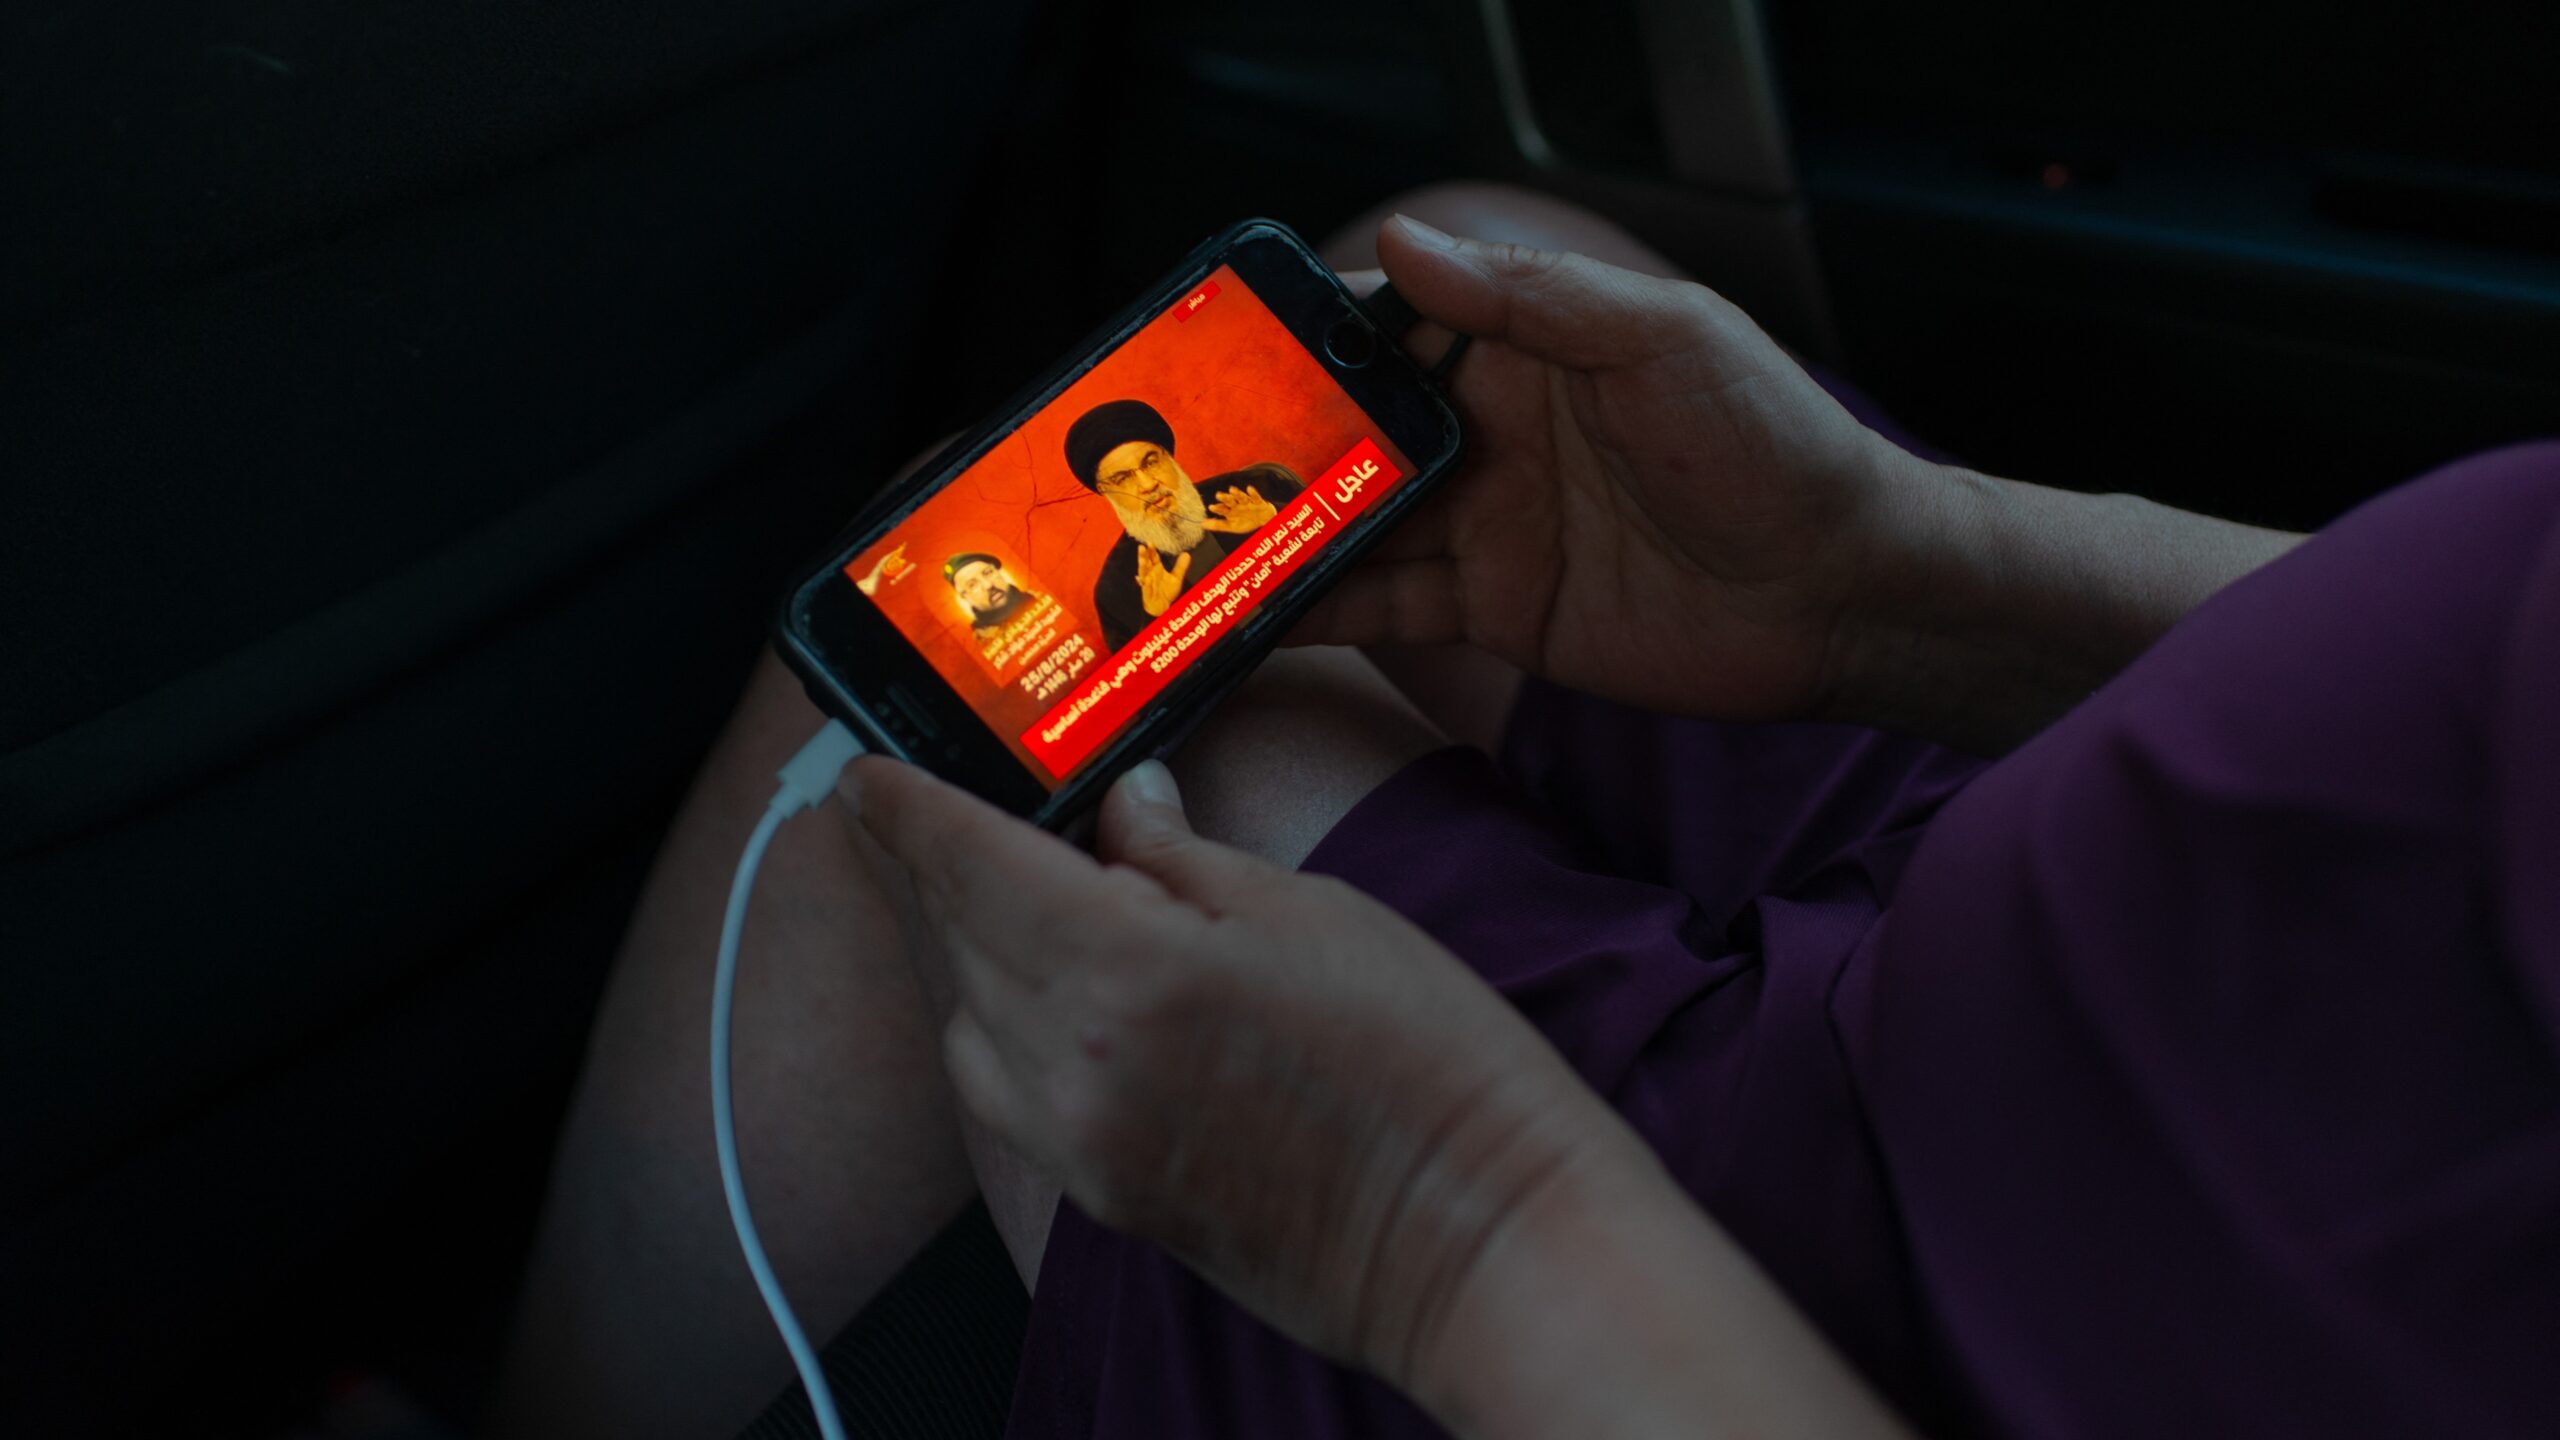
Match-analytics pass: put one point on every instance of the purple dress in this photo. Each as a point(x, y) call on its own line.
point(2194, 1070)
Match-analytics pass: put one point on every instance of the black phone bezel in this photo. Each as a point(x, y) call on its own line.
point(859, 668)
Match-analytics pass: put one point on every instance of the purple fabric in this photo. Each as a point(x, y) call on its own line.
point(2190, 1071)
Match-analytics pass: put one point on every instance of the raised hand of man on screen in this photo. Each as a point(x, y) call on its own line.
point(1157, 585)
point(1239, 511)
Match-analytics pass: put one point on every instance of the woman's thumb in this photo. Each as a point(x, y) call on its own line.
point(1143, 826)
point(1568, 308)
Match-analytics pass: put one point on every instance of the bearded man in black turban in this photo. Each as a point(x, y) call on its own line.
point(1122, 450)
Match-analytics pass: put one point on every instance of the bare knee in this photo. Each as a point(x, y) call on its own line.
point(1310, 735)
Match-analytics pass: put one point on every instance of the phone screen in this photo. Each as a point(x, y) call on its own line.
point(1115, 537)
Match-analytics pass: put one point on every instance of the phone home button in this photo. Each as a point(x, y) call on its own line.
point(1350, 343)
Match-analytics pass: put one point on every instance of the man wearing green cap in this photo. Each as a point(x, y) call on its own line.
point(1122, 450)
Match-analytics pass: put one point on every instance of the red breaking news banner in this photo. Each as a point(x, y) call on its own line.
point(1091, 715)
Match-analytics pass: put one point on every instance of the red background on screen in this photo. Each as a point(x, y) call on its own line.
point(1236, 387)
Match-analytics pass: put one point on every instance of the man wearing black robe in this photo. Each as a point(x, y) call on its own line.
point(1122, 450)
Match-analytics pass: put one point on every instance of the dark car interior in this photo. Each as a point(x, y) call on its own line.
point(410, 414)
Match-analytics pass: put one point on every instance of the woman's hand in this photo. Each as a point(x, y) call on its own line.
point(1272, 1075)
point(1658, 506)
point(1661, 507)
point(1329, 1118)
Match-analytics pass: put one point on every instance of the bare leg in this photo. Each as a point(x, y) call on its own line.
point(639, 1318)
point(1465, 691)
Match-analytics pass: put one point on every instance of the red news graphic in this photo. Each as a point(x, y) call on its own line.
point(1195, 300)
point(1280, 549)
point(1070, 573)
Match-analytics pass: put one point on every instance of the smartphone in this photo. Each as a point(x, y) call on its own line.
point(1069, 587)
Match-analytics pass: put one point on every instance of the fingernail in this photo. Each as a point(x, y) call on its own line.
point(1428, 235)
point(1148, 782)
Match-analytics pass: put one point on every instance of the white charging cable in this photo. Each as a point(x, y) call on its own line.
point(806, 781)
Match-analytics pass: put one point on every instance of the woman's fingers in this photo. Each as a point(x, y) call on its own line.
point(1036, 934)
point(988, 1088)
point(1143, 826)
point(1571, 309)
point(1356, 610)
point(1388, 602)
point(986, 881)
point(1426, 342)
point(1015, 1008)
point(1424, 534)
